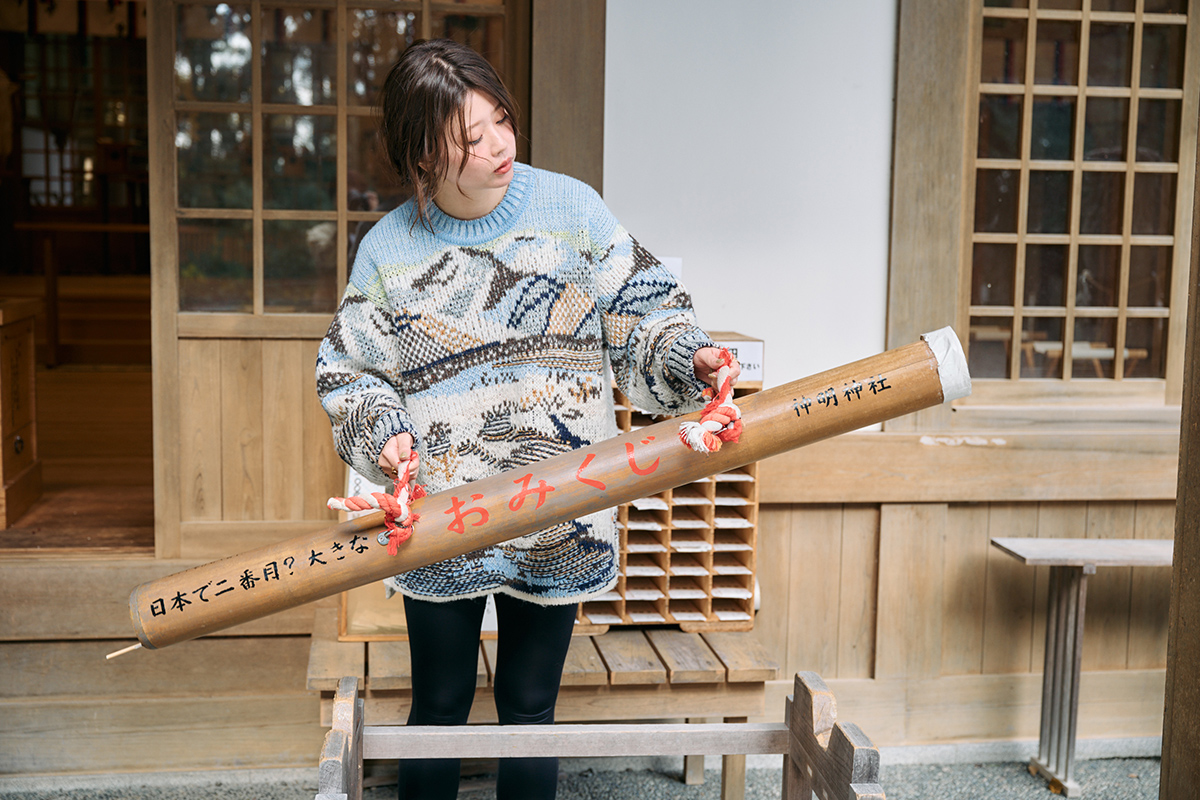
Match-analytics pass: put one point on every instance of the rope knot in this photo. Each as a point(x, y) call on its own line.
point(398, 516)
point(720, 420)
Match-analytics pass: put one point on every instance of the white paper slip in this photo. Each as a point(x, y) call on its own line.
point(646, 547)
point(602, 618)
point(727, 523)
point(648, 571)
point(690, 546)
point(688, 616)
point(644, 594)
point(730, 569)
point(732, 477)
point(732, 616)
point(686, 594)
point(730, 547)
point(650, 504)
point(609, 596)
point(735, 594)
point(646, 616)
point(643, 525)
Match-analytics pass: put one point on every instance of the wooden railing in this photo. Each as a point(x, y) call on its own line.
point(822, 756)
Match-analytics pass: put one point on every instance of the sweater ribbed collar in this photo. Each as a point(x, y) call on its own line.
point(495, 223)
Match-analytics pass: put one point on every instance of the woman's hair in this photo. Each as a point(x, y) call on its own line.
point(422, 104)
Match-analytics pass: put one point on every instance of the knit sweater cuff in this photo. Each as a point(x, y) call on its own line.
point(681, 357)
point(391, 424)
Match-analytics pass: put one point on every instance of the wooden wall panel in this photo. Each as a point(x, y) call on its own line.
point(1008, 612)
point(1055, 521)
point(70, 597)
point(242, 665)
point(283, 404)
point(1106, 626)
point(241, 429)
point(107, 735)
point(908, 641)
point(95, 424)
point(816, 546)
point(859, 588)
point(964, 595)
point(324, 473)
point(199, 435)
point(774, 573)
point(1150, 592)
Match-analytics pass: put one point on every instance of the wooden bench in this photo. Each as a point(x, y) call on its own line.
point(623, 675)
point(1070, 562)
point(821, 756)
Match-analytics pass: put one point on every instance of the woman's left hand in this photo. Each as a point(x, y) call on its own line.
point(707, 361)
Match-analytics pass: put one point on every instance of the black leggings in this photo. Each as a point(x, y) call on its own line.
point(443, 638)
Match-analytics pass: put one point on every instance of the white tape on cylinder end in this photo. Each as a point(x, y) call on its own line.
point(952, 363)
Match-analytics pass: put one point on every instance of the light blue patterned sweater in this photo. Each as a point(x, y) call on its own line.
point(487, 341)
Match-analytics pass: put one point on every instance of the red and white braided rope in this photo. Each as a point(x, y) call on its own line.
point(721, 419)
point(397, 514)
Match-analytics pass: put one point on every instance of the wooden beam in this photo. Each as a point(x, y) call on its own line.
point(1181, 723)
point(574, 741)
point(1002, 467)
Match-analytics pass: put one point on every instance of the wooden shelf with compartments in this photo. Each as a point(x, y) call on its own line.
point(687, 554)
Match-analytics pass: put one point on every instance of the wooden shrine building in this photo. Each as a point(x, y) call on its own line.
point(182, 184)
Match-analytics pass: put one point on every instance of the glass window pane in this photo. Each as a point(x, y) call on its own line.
point(299, 266)
point(1162, 56)
point(1166, 7)
point(1106, 129)
point(375, 41)
point(1057, 58)
point(996, 200)
point(1102, 202)
point(1126, 6)
point(1095, 348)
point(988, 347)
point(1154, 203)
point(1158, 130)
point(1045, 274)
point(1110, 54)
point(299, 159)
point(214, 162)
point(299, 56)
point(1000, 126)
point(1098, 275)
point(215, 265)
point(372, 183)
point(1053, 130)
point(212, 53)
point(1062, 5)
point(1006, 3)
point(1049, 202)
point(1145, 348)
point(992, 273)
point(1003, 56)
point(1149, 277)
point(1041, 347)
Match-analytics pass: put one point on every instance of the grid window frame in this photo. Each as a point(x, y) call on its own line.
point(993, 324)
point(261, 317)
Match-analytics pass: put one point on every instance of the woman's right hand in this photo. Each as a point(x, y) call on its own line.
point(396, 454)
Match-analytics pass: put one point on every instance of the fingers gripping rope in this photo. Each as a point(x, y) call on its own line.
point(397, 515)
point(721, 420)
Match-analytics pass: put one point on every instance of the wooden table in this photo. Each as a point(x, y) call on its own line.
point(1070, 562)
point(622, 675)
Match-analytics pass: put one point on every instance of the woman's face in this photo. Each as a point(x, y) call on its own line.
point(492, 145)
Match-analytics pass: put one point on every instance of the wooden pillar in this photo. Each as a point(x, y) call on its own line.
point(566, 126)
point(1181, 719)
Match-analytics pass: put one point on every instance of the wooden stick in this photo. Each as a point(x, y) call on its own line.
point(124, 650)
point(240, 588)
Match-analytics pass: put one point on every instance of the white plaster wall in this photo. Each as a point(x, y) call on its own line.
point(753, 140)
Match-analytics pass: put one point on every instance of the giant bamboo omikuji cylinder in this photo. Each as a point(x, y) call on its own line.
point(253, 584)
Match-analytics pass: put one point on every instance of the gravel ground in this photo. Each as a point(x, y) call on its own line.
point(1103, 779)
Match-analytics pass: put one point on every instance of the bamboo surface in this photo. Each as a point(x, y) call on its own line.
point(214, 596)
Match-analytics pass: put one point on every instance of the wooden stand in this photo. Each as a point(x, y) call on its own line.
point(820, 755)
point(1071, 561)
point(19, 464)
